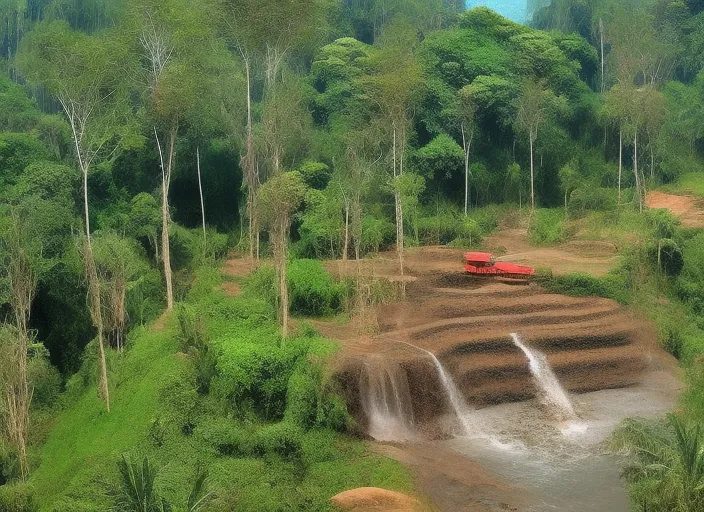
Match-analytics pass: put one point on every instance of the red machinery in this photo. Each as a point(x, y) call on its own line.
point(482, 264)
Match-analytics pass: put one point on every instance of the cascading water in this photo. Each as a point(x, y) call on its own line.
point(459, 406)
point(552, 393)
point(386, 400)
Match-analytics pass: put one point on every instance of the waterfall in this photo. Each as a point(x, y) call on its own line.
point(386, 400)
point(459, 406)
point(552, 394)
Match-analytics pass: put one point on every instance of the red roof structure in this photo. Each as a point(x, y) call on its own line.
point(482, 264)
point(478, 257)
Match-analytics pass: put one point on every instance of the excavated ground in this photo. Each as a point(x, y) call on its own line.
point(591, 343)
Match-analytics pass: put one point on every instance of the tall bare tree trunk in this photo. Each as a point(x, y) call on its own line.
point(284, 287)
point(346, 246)
point(357, 224)
point(165, 218)
point(532, 186)
point(22, 280)
point(639, 192)
point(467, 146)
point(249, 168)
point(94, 301)
point(398, 171)
point(620, 161)
point(202, 203)
point(652, 161)
point(601, 37)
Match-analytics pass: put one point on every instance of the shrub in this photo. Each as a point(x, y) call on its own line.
point(667, 255)
point(662, 222)
point(254, 378)
point(547, 227)
point(333, 414)
point(376, 233)
point(315, 174)
point(17, 498)
point(185, 247)
point(206, 279)
point(284, 439)
point(145, 297)
point(302, 399)
point(216, 245)
point(45, 379)
point(312, 290)
point(690, 282)
point(256, 311)
point(194, 341)
point(671, 339)
point(450, 226)
point(9, 464)
point(592, 198)
point(586, 285)
point(262, 284)
point(227, 437)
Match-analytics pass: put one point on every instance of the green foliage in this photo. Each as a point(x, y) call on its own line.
point(261, 284)
point(585, 285)
point(591, 198)
point(194, 341)
point(138, 487)
point(45, 378)
point(666, 468)
point(18, 113)
point(667, 255)
point(440, 159)
point(376, 233)
point(690, 283)
point(283, 439)
point(254, 378)
point(49, 181)
point(312, 290)
point(322, 224)
point(17, 151)
point(315, 174)
point(279, 198)
point(689, 183)
point(17, 498)
point(228, 438)
point(548, 227)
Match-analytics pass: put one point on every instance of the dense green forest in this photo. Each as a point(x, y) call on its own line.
point(141, 141)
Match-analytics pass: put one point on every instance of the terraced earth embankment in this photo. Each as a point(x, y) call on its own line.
point(591, 343)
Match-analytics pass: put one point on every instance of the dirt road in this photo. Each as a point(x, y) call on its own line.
point(689, 209)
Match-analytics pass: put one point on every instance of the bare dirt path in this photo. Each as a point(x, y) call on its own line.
point(690, 209)
point(593, 257)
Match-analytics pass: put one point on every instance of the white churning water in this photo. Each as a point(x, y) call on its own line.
point(552, 393)
point(386, 400)
point(457, 402)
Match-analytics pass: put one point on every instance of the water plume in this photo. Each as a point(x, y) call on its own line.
point(457, 402)
point(386, 401)
point(552, 394)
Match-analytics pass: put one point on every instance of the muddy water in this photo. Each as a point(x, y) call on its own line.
point(564, 466)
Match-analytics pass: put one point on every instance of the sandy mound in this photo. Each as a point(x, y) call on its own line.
point(369, 499)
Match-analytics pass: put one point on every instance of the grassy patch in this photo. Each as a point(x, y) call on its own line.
point(86, 437)
point(548, 227)
point(688, 183)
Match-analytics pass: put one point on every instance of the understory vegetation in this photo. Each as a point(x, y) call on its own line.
point(213, 390)
point(142, 142)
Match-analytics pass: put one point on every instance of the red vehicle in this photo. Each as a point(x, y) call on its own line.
point(482, 264)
